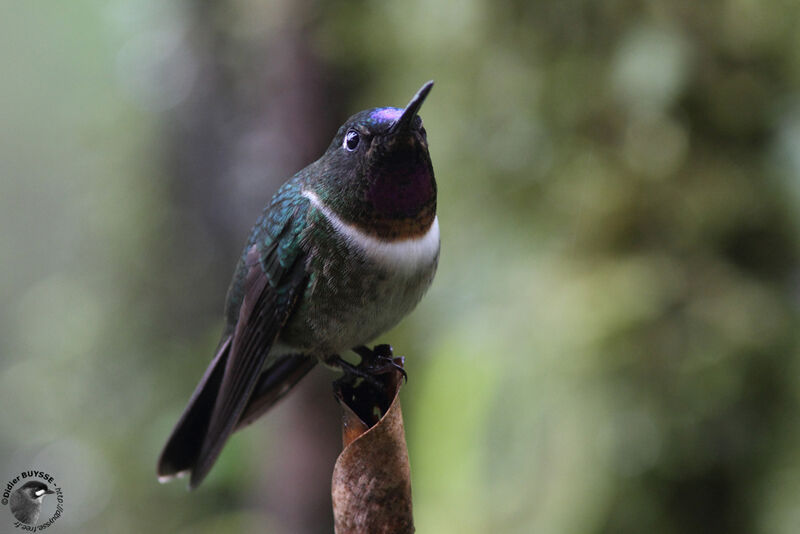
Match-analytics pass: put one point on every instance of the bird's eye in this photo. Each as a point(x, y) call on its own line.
point(351, 140)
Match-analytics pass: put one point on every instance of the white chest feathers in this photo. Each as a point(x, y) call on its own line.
point(408, 255)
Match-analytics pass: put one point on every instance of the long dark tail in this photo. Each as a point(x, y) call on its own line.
point(181, 454)
point(183, 446)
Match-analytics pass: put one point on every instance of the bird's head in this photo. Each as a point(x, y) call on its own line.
point(35, 490)
point(377, 171)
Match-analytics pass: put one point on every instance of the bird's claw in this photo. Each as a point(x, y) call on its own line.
point(353, 372)
point(380, 360)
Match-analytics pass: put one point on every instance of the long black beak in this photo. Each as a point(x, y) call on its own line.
point(411, 109)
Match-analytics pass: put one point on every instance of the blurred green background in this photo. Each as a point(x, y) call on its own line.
point(611, 343)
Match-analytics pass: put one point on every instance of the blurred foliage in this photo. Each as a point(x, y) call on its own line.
point(611, 341)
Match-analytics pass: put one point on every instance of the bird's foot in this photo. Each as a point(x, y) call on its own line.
point(353, 373)
point(380, 360)
point(369, 387)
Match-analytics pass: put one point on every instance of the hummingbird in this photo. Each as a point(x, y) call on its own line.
point(345, 249)
point(26, 502)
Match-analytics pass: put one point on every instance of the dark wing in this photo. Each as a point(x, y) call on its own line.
point(271, 289)
point(270, 279)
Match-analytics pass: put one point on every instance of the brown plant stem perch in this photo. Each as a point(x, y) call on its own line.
point(371, 487)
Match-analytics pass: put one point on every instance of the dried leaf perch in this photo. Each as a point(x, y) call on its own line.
point(371, 486)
